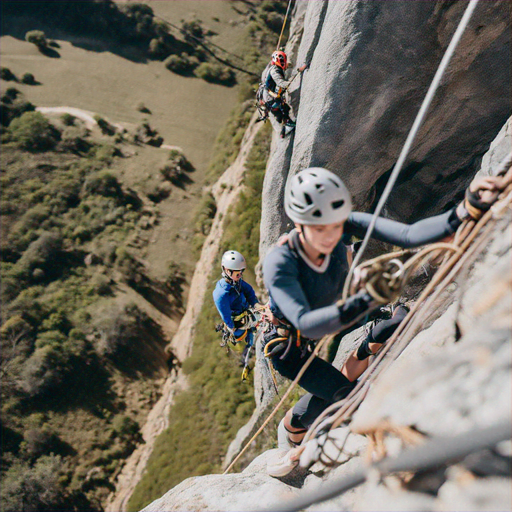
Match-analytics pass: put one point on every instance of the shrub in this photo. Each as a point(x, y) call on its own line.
point(33, 488)
point(12, 93)
point(68, 119)
point(125, 427)
point(37, 37)
point(7, 75)
point(42, 253)
point(159, 192)
point(116, 328)
point(103, 183)
point(206, 212)
point(193, 30)
point(46, 368)
point(175, 174)
point(105, 127)
point(14, 109)
point(73, 141)
point(161, 47)
point(181, 64)
point(41, 442)
point(28, 79)
point(33, 132)
point(100, 285)
point(142, 108)
point(215, 73)
point(273, 20)
point(106, 152)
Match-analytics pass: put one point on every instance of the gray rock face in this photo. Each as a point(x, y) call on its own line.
point(371, 63)
point(247, 491)
point(456, 374)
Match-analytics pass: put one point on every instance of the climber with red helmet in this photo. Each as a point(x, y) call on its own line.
point(305, 277)
point(273, 87)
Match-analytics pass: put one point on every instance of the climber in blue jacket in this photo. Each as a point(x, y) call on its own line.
point(234, 297)
point(305, 278)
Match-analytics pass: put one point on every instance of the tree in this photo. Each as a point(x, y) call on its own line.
point(7, 75)
point(28, 78)
point(32, 488)
point(33, 132)
point(215, 73)
point(37, 37)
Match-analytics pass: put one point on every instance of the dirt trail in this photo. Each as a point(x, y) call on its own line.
point(225, 191)
point(86, 116)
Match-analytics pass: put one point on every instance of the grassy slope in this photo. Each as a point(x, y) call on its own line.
point(187, 112)
point(206, 417)
point(101, 82)
point(111, 86)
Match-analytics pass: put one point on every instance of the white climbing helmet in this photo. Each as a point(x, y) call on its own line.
point(317, 196)
point(233, 260)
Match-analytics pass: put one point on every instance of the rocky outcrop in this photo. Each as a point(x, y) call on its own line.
point(370, 66)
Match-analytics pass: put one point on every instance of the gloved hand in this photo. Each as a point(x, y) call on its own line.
point(480, 196)
point(356, 307)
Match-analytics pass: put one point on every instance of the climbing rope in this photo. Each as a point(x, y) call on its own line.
point(341, 411)
point(386, 287)
point(412, 135)
point(284, 24)
point(432, 454)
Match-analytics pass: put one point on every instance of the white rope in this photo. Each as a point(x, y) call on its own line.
point(412, 135)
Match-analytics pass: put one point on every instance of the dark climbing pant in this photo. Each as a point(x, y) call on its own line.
point(324, 383)
point(280, 110)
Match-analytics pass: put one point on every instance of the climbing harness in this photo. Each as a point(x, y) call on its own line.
point(249, 319)
point(261, 105)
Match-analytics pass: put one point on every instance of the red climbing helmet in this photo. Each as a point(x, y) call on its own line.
point(280, 59)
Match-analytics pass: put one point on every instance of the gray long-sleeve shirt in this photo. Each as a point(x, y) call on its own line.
point(273, 78)
point(306, 298)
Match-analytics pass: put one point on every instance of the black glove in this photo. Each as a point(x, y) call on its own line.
point(356, 307)
point(473, 198)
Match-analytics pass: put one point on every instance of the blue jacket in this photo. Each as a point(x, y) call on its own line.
point(233, 300)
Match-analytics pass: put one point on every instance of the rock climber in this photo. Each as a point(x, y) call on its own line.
point(273, 90)
point(234, 299)
point(305, 278)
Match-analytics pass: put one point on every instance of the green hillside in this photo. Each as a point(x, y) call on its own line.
point(102, 219)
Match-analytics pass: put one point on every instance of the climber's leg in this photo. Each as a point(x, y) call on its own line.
point(358, 361)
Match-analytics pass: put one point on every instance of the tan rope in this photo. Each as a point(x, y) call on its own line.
point(284, 24)
point(277, 407)
point(467, 233)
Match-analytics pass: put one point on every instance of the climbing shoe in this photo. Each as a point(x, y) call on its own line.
point(283, 464)
point(287, 129)
point(245, 373)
